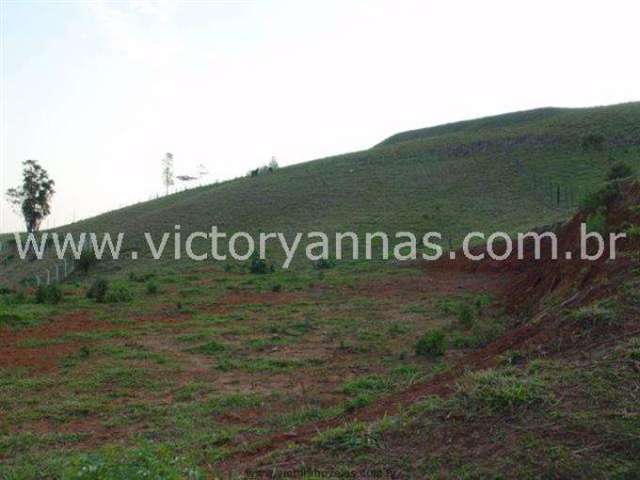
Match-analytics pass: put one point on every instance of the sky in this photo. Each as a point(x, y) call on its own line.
point(99, 91)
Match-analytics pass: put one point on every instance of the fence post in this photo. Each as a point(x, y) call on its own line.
point(48, 277)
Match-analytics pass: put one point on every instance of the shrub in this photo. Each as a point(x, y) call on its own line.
point(597, 221)
point(324, 264)
point(50, 294)
point(98, 290)
point(482, 300)
point(619, 170)
point(595, 315)
point(87, 260)
point(465, 316)
point(260, 266)
point(17, 298)
point(141, 278)
point(151, 287)
point(209, 348)
point(350, 436)
point(601, 198)
point(119, 293)
point(483, 333)
point(432, 344)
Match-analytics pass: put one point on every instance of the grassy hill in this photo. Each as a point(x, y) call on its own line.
point(363, 370)
point(496, 173)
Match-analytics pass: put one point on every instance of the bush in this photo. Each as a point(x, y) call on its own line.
point(141, 278)
point(12, 299)
point(432, 344)
point(596, 315)
point(465, 315)
point(324, 264)
point(98, 290)
point(119, 293)
point(49, 294)
point(597, 221)
point(87, 260)
point(151, 287)
point(601, 198)
point(619, 170)
point(260, 266)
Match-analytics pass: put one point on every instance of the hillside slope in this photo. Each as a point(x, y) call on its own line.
point(508, 172)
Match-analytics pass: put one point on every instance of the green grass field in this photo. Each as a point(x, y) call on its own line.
point(378, 369)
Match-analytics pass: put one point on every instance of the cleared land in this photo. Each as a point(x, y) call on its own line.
point(209, 371)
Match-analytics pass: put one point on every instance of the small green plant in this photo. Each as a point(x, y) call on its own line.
point(49, 294)
point(141, 277)
point(465, 316)
point(482, 300)
point(592, 316)
point(601, 198)
point(151, 287)
point(351, 436)
point(144, 461)
point(499, 391)
point(432, 344)
point(260, 266)
point(86, 261)
point(12, 299)
point(118, 292)
point(209, 348)
point(98, 290)
point(324, 264)
point(597, 221)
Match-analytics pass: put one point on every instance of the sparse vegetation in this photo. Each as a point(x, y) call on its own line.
point(151, 287)
point(432, 344)
point(87, 261)
point(499, 391)
point(98, 290)
point(49, 294)
point(217, 367)
point(118, 292)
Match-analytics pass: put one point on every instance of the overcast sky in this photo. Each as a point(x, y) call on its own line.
point(99, 91)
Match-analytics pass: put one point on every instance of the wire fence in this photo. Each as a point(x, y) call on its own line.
point(59, 271)
point(549, 192)
point(56, 272)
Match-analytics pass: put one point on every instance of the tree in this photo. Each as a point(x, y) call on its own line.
point(273, 164)
point(167, 171)
point(33, 199)
point(203, 171)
